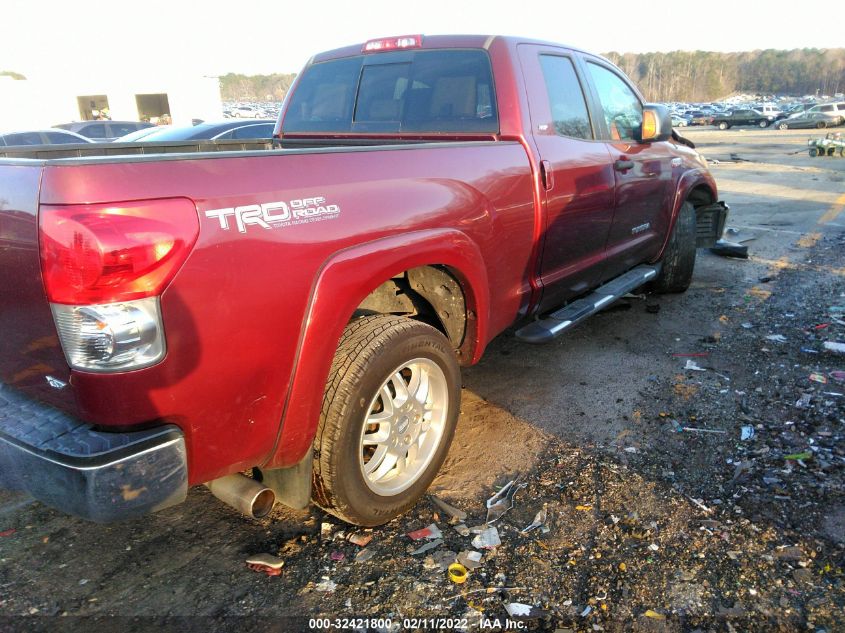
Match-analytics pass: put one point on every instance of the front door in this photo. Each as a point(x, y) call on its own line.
point(578, 180)
point(643, 172)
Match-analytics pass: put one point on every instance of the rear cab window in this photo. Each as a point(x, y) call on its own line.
point(567, 103)
point(424, 91)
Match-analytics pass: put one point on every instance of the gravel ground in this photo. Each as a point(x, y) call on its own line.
point(676, 499)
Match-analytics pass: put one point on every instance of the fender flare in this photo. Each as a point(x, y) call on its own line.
point(688, 181)
point(332, 305)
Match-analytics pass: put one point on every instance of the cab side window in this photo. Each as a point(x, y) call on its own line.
point(621, 108)
point(566, 97)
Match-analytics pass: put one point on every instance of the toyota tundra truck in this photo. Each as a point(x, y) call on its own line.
point(286, 320)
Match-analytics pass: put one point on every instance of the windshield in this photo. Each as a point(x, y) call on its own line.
point(419, 91)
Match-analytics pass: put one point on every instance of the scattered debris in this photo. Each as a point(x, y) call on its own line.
point(487, 539)
point(654, 615)
point(452, 511)
point(747, 432)
point(777, 338)
point(692, 366)
point(821, 378)
point(364, 555)
point(470, 559)
point(502, 501)
point(337, 556)
point(539, 522)
point(462, 529)
point(694, 429)
point(457, 573)
point(429, 532)
point(362, 540)
point(267, 563)
point(6, 533)
point(428, 546)
point(726, 248)
point(526, 611)
point(326, 585)
point(799, 456)
point(831, 346)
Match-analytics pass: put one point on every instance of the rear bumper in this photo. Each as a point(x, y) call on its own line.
point(98, 476)
point(710, 224)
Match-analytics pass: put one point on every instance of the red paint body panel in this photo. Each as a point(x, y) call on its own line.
point(252, 318)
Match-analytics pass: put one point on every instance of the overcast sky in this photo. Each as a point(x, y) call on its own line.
point(40, 38)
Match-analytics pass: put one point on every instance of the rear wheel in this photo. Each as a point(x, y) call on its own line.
point(783, 126)
point(814, 152)
point(763, 124)
point(831, 151)
point(679, 258)
point(821, 125)
point(389, 412)
point(723, 126)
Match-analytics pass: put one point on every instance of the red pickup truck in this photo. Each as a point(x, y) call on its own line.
point(175, 314)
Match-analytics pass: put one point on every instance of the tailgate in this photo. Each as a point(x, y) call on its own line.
point(29, 348)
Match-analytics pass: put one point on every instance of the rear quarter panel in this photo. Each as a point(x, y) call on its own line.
point(236, 313)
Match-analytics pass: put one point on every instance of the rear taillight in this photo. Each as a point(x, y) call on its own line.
point(118, 252)
point(104, 267)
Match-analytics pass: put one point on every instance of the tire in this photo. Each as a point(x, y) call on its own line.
point(723, 126)
point(821, 125)
point(375, 352)
point(763, 124)
point(842, 153)
point(813, 152)
point(831, 151)
point(783, 126)
point(679, 257)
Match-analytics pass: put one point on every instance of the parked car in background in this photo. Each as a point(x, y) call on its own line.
point(42, 137)
point(679, 121)
point(804, 120)
point(139, 134)
point(742, 117)
point(701, 118)
point(245, 112)
point(103, 130)
point(214, 130)
point(835, 112)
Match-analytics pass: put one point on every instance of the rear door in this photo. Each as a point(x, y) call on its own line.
point(642, 172)
point(578, 174)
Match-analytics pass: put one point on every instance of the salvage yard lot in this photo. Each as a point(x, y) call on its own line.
point(650, 528)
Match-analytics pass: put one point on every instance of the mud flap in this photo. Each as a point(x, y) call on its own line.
point(710, 223)
point(291, 485)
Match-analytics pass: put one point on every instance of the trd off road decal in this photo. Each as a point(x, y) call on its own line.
point(276, 214)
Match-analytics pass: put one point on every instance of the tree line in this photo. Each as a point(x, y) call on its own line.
point(235, 87)
point(706, 76)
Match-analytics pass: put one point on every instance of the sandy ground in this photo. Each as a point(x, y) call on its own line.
point(650, 529)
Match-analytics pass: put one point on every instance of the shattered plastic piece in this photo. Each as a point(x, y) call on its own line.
point(364, 555)
point(267, 560)
point(654, 615)
point(270, 571)
point(804, 401)
point(808, 350)
point(586, 611)
point(337, 556)
point(444, 558)
point(747, 433)
point(838, 348)
point(693, 429)
point(539, 521)
point(819, 378)
point(462, 529)
point(362, 540)
point(747, 326)
point(326, 585)
point(730, 249)
point(6, 533)
point(470, 559)
point(520, 610)
point(428, 546)
point(488, 539)
point(654, 547)
point(777, 338)
point(692, 366)
point(429, 532)
point(502, 501)
point(452, 511)
point(457, 573)
point(326, 529)
point(630, 449)
point(838, 375)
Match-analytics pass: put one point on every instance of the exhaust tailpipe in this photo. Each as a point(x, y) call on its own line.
point(243, 494)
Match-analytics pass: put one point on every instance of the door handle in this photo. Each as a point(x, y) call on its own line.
point(623, 164)
point(547, 175)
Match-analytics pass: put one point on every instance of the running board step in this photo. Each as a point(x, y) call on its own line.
point(555, 324)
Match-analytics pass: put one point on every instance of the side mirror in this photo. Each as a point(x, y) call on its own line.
point(656, 125)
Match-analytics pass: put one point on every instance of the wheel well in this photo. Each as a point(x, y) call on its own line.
point(701, 196)
point(431, 294)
